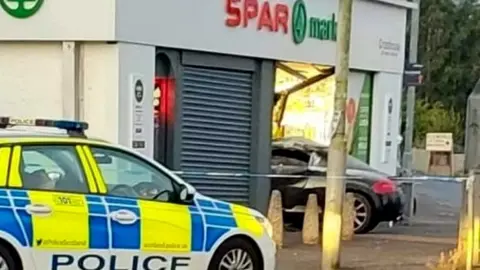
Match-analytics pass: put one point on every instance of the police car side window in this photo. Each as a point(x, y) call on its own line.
point(128, 176)
point(54, 167)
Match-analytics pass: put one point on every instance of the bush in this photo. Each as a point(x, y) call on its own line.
point(435, 117)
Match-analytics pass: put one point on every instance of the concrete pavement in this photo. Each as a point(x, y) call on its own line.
point(364, 252)
point(432, 231)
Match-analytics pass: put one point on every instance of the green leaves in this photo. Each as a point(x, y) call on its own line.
point(435, 117)
point(449, 48)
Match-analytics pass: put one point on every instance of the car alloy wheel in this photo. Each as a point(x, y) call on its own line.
point(236, 259)
point(361, 214)
point(3, 264)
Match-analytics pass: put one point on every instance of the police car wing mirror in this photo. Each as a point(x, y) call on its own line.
point(185, 194)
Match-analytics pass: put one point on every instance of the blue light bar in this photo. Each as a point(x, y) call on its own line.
point(70, 126)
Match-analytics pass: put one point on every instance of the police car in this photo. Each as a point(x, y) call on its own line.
point(69, 202)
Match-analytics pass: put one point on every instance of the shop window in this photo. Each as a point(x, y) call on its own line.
point(304, 101)
point(304, 105)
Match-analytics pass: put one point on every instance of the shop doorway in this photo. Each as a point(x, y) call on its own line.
point(163, 103)
point(304, 98)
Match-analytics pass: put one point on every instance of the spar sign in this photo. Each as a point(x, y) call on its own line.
point(278, 17)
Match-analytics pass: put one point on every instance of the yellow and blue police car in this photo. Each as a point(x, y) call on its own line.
point(70, 202)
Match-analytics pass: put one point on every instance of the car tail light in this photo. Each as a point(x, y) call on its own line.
point(384, 186)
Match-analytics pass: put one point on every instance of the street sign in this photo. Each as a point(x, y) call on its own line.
point(439, 142)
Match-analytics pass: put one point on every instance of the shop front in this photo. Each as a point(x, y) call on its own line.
point(198, 84)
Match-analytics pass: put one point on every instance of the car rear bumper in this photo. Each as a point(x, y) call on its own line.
point(391, 206)
point(388, 207)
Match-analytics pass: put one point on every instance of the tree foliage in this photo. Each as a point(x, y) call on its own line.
point(449, 49)
point(435, 117)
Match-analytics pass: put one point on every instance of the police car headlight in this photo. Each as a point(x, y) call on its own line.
point(267, 226)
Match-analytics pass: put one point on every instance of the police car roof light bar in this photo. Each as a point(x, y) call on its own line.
point(72, 127)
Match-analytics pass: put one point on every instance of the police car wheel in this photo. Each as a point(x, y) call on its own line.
point(235, 254)
point(6, 260)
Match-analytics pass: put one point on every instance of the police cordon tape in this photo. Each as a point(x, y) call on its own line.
point(310, 230)
point(400, 179)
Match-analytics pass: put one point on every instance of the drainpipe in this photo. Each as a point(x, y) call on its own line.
point(72, 80)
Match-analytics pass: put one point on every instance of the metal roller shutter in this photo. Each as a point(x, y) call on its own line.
point(216, 130)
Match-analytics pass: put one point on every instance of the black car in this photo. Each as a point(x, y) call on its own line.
point(378, 198)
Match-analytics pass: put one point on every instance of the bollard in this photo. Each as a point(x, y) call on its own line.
point(311, 230)
point(275, 216)
point(348, 217)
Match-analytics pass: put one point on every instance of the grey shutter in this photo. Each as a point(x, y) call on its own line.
point(216, 130)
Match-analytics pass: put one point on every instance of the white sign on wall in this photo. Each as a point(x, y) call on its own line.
point(137, 95)
point(387, 130)
point(439, 142)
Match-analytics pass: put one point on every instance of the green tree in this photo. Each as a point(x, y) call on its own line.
point(435, 39)
point(449, 49)
point(465, 56)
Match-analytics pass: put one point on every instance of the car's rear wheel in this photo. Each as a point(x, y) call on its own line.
point(236, 254)
point(364, 218)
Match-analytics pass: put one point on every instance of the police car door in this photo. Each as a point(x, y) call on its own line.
point(48, 187)
point(148, 230)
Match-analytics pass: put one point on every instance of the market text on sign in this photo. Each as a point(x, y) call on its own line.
point(265, 16)
point(323, 28)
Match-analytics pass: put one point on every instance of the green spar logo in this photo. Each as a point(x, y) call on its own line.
point(21, 9)
point(299, 22)
point(319, 28)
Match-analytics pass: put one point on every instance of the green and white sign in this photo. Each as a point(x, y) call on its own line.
point(21, 9)
point(361, 134)
point(313, 27)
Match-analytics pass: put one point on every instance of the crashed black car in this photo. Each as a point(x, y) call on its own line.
point(378, 197)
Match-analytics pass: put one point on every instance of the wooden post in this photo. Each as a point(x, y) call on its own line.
point(337, 152)
point(469, 220)
point(475, 218)
point(462, 222)
point(466, 228)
